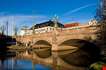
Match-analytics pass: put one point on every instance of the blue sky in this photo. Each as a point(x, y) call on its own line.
point(28, 12)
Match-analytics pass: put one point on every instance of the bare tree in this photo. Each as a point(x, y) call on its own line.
point(101, 34)
point(15, 31)
point(25, 28)
point(2, 29)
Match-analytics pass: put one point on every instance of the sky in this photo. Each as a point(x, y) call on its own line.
point(29, 12)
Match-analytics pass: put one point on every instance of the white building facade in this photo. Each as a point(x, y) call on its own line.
point(23, 32)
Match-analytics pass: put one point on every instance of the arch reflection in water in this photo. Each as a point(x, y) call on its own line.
point(86, 53)
point(42, 48)
point(43, 53)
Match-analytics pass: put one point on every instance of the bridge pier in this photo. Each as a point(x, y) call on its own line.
point(26, 44)
point(26, 52)
point(54, 47)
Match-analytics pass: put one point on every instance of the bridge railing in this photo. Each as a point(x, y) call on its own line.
point(78, 31)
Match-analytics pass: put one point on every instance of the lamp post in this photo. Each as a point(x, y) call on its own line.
point(54, 43)
point(55, 33)
point(33, 29)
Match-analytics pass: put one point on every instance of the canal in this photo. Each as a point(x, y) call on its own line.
point(45, 59)
point(37, 59)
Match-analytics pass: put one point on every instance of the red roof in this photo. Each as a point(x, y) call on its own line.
point(71, 25)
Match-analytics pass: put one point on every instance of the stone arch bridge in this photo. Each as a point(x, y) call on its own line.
point(57, 37)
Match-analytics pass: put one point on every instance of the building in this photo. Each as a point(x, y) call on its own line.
point(77, 26)
point(44, 29)
point(49, 23)
point(47, 26)
point(71, 25)
point(92, 22)
point(25, 31)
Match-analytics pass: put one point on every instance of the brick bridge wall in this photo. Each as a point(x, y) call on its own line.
point(58, 36)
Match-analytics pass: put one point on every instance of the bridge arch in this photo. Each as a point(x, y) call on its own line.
point(70, 42)
point(85, 54)
point(42, 42)
point(43, 48)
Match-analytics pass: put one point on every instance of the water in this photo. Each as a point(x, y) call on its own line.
point(44, 59)
point(30, 61)
point(11, 64)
